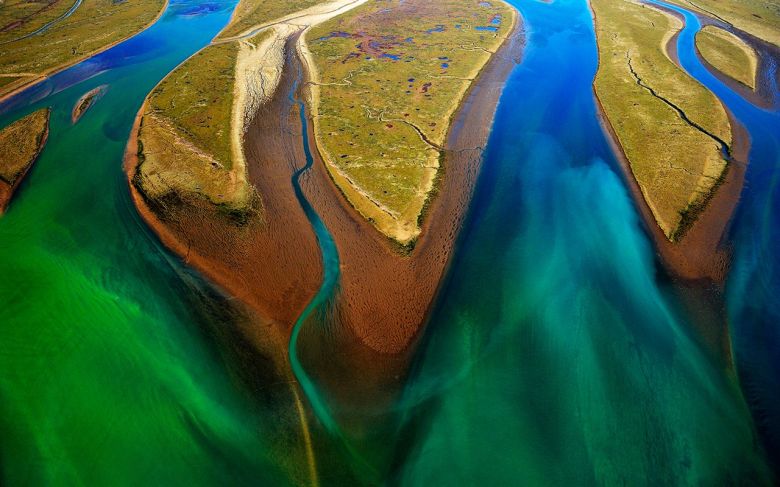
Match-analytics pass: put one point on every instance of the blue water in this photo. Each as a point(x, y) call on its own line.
point(754, 282)
point(556, 353)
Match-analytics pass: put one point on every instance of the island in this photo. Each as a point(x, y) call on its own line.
point(682, 151)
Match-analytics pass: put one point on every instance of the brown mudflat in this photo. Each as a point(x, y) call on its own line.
point(271, 262)
point(86, 101)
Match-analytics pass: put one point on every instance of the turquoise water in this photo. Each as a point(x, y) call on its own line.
point(556, 353)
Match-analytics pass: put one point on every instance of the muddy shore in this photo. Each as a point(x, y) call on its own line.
point(385, 295)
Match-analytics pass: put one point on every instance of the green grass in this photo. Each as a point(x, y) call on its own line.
point(758, 17)
point(197, 98)
point(729, 54)
point(20, 144)
point(369, 114)
point(185, 134)
point(93, 26)
point(676, 165)
point(255, 12)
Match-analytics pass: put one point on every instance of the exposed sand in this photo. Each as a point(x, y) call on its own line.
point(259, 67)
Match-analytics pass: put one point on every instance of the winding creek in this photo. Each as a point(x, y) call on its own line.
point(557, 348)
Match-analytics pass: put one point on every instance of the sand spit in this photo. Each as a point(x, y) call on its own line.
point(384, 295)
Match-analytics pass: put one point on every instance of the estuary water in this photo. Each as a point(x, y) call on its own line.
point(754, 282)
point(556, 353)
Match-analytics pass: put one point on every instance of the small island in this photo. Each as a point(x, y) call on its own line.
point(86, 101)
point(729, 54)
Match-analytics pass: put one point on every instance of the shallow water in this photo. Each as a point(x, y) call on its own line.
point(556, 353)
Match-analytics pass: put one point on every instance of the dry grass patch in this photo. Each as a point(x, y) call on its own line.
point(388, 77)
point(668, 125)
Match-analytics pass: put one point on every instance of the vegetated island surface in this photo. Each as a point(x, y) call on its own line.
point(729, 54)
point(20, 145)
point(217, 142)
point(40, 38)
point(684, 154)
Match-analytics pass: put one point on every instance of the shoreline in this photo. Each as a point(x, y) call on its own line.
point(41, 77)
point(701, 254)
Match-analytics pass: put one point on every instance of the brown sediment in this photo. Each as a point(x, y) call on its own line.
point(698, 255)
point(273, 263)
point(270, 262)
point(41, 77)
point(85, 102)
point(8, 188)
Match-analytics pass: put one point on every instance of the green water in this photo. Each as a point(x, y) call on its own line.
point(109, 374)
